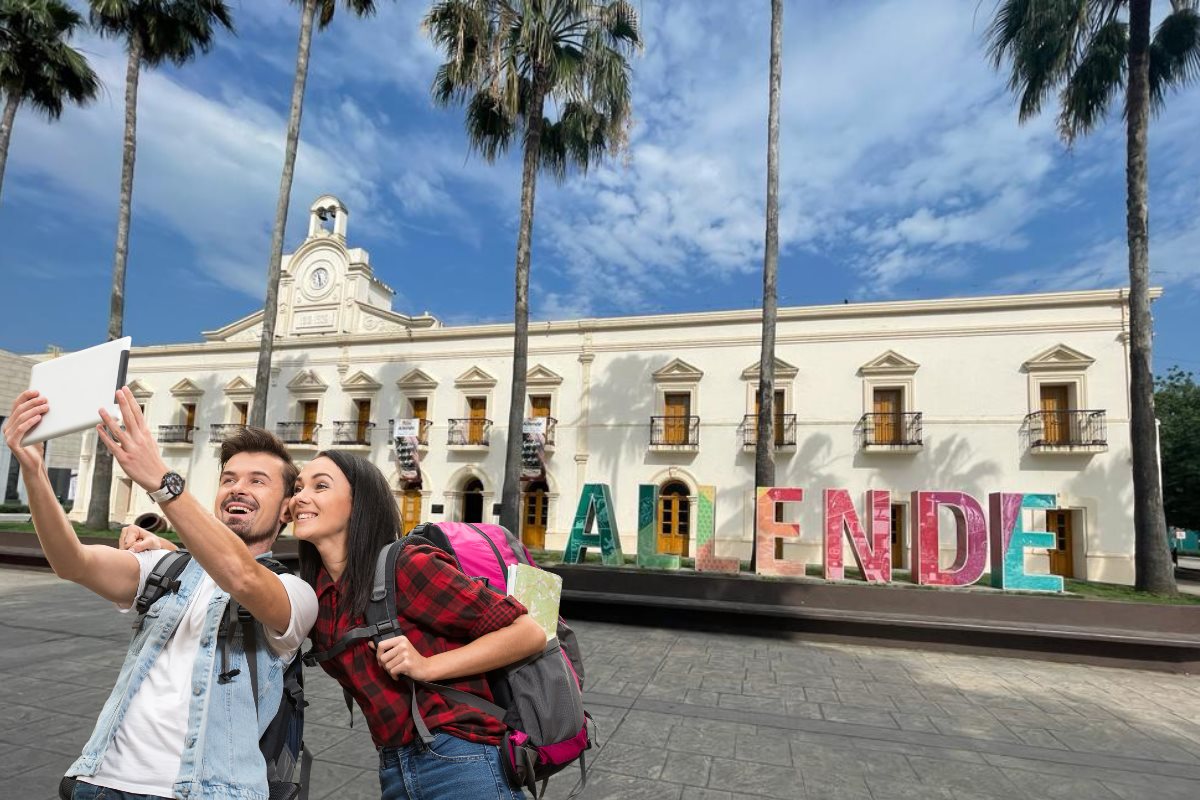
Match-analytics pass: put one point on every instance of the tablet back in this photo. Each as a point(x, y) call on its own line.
point(77, 386)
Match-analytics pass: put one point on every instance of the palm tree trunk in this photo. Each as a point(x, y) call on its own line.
point(262, 376)
point(510, 496)
point(6, 125)
point(98, 509)
point(764, 445)
point(1152, 561)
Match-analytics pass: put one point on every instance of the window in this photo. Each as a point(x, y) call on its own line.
point(778, 411)
point(535, 510)
point(1055, 407)
point(477, 416)
point(308, 415)
point(676, 424)
point(410, 510)
point(362, 421)
point(189, 415)
point(539, 405)
point(241, 413)
point(418, 409)
point(898, 535)
point(677, 410)
point(472, 501)
point(888, 407)
point(674, 519)
point(889, 422)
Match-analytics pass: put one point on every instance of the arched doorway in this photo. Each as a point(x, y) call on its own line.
point(472, 500)
point(674, 519)
point(535, 508)
point(410, 510)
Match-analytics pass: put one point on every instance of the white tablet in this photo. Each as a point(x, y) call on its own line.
point(78, 385)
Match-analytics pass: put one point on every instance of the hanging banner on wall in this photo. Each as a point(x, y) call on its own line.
point(533, 449)
point(406, 438)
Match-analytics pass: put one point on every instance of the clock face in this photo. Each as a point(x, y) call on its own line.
point(319, 278)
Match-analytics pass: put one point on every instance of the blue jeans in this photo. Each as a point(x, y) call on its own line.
point(448, 769)
point(86, 791)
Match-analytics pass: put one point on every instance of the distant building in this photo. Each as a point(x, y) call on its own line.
point(1022, 393)
point(62, 454)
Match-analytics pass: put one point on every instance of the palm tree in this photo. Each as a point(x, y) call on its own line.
point(154, 32)
point(764, 444)
point(504, 60)
point(322, 12)
point(37, 66)
point(1087, 50)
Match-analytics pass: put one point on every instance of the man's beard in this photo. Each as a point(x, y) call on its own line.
point(243, 526)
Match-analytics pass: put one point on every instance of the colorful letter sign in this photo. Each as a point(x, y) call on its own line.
point(1009, 540)
point(874, 556)
point(595, 507)
point(769, 530)
point(971, 539)
point(647, 547)
point(706, 535)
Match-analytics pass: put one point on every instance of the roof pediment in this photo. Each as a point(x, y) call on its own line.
point(186, 388)
point(542, 376)
point(307, 382)
point(474, 378)
point(782, 370)
point(362, 382)
point(678, 370)
point(141, 390)
point(239, 386)
point(889, 363)
point(417, 379)
point(1059, 357)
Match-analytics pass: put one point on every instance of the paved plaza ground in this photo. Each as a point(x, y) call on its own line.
point(696, 716)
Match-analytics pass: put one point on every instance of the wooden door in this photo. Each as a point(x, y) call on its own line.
point(362, 420)
point(1055, 428)
point(410, 510)
point(189, 417)
point(418, 408)
point(478, 415)
point(534, 513)
point(887, 416)
point(777, 411)
point(309, 409)
point(241, 412)
point(897, 536)
point(1062, 557)
point(539, 405)
point(677, 410)
point(674, 520)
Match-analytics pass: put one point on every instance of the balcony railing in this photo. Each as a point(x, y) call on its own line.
point(297, 432)
point(218, 431)
point(675, 431)
point(471, 432)
point(175, 434)
point(422, 435)
point(785, 431)
point(1067, 430)
point(551, 424)
point(890, 431)
point(352, 432)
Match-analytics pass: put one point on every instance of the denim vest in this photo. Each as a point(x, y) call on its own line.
point(220, 760)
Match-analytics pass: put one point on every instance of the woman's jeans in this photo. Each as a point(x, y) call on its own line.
point(450, 768)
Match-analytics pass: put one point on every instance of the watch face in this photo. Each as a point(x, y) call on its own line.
point(173, 483)
point(318, 278)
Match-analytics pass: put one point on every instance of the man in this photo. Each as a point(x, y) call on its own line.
point(181, 719)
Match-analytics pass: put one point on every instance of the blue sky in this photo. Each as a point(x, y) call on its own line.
point(904, 175)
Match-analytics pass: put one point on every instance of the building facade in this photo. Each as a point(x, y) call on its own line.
point(1024, 393)
point(62, 454)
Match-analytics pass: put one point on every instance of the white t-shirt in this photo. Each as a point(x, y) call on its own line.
point(145, 754)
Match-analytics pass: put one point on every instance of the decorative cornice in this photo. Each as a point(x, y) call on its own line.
point(239, 387)
point(307, 382)
point(542, 376)
point(141, 390)
point(361, 382)
point(889, 363)
point(474, 378)
point(1059, 357)
point(417, 379)
point(186, 388)
point(677, 371)
point(783, 370)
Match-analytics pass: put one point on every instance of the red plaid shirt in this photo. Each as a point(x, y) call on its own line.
point(440, 609)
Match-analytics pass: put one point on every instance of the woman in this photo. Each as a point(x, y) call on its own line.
point(455, 630)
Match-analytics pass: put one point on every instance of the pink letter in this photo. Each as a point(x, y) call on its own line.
point(769, 530)
point(971, 535)
point(874, 557)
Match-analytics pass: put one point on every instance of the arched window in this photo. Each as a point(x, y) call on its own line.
point(410, 510)
point(472, 501)
point(674, 519)
point(535, 511)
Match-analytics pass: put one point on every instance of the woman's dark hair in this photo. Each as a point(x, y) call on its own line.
point(374, 522)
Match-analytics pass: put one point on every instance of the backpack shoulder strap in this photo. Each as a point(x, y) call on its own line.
point(381, 610)
point(162, 580)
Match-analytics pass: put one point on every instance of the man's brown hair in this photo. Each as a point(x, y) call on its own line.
point(257, 440)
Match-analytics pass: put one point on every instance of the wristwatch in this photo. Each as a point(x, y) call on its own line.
point(172, 487)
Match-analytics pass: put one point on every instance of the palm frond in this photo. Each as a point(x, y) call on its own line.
point(1174, 53)
point(1095, 82)
point(36, 61)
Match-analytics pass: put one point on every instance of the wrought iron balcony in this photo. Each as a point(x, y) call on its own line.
point(785, 431)
point(1066, 431)
point(675, 431)
point(422, 435)
point(471, 432)
point(175, 434)
point(297, 432)
point(890, 431)
point(219, 431)
point(352, 432)
point(551, 424)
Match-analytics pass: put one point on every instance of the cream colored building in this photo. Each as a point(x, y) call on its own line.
point(1022, 393)
point(62, 454)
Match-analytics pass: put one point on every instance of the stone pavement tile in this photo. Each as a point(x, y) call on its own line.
point(915, 722)
point(886, 788)
point(1117, 738)
point(82, 703)
point(1059, 787)
point(15, 759)
point(1182, 792)
point(1037, 737)
point(832, 785)
point(866, 699)
point(364, 786)
point(644, 727)
point(959, 775)
point(633, 760)
point(623, 787)
point(817, 694)
point(802, 708)
point(976, 726)
point(699, 697)
point(766, 747)
point(695, 793)
point(858, 716)
point(1138, 784)
point(667, 691)
point(760, 780)
point(687, 768)
point(722, 683)
point(355, 750)
point(319, 738)
point(33, 785)
point(696, 740)
point(326, 778)
point(48, 728)
point(741, 702)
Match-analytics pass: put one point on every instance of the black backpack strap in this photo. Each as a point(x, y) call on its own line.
point(162, 580)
